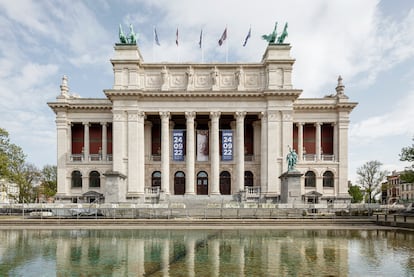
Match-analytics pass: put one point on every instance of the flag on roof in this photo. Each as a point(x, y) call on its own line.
point(156, 37)
point(176, 37)
point(247, 37)
point(201, 38)
point(223, 37)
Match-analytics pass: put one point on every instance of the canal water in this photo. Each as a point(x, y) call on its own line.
point(206, 253)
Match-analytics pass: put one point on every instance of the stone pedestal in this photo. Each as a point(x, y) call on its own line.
point(290, 188)
point(115, 187)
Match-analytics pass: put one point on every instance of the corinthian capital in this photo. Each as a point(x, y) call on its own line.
point(165, 115)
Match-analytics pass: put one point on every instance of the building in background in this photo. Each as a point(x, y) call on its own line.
point(398, 191)
point(200, 129)
point(9, 192)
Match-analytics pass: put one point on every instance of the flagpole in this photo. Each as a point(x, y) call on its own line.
point(153, 44)
point(201, 46)
point(227, 46)
point(178, 46)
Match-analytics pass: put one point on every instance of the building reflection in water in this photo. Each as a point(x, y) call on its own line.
point(205, 253)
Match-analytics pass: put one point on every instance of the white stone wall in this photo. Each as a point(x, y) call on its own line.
point(263, 89)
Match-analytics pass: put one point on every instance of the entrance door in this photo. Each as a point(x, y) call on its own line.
point(225, 183)
point(202, 183)
point(179, 183)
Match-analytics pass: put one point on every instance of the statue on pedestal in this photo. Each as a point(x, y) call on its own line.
point(292, 159)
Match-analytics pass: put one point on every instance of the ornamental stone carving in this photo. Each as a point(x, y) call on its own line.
point(215, 115)
point(190, 115)
point(190, 78)
point(119, 115)
point(239, 115)
point(165, 79)
point(215, 79)
point(165, 115)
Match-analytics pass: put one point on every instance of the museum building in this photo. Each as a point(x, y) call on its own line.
point(197, 130)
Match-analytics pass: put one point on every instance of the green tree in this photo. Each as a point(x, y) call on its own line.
point(4, 153)
point(49, 180)
point(14, 169)
point(356, 194)
point(370, 177)
point(26, 177)
point(407, 154)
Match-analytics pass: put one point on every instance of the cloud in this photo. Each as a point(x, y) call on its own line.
point(393, 122)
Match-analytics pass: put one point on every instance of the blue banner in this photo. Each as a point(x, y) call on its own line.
point(178, 145)
point(227, 145)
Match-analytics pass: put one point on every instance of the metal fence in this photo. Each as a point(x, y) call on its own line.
point(170, 210)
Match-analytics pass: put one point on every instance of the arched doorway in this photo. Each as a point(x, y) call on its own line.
point(156, 179)
point(248, 179)
point(225, 183)
point(202, 183)
point(179, 183)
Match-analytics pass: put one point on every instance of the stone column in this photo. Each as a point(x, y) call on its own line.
point(240, 149)
point(300, 140)
point(190, 155)
point(165, 152)
point(86, 141)
point(263, 152)
point(215, 155)
point(132, 153)
point(104, 141)
point(256, 140)
point(148, 140)
point(141, 153)
point(318, 140)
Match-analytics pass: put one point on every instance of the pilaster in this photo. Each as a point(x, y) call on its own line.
point(118, 141)
point(273, 152)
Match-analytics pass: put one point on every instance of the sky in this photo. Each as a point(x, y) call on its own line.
point(369, 43)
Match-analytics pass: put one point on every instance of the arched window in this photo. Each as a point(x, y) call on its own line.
point(156, 179)
point(94, 179)
point(76, 179)
point(310, 179)
point(248, 179)
point(328, 179)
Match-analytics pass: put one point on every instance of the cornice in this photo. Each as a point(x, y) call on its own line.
point(337, 106)
point(58, 106)
point(206, 93)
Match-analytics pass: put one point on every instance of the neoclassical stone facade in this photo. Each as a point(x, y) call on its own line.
point(193, 129)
